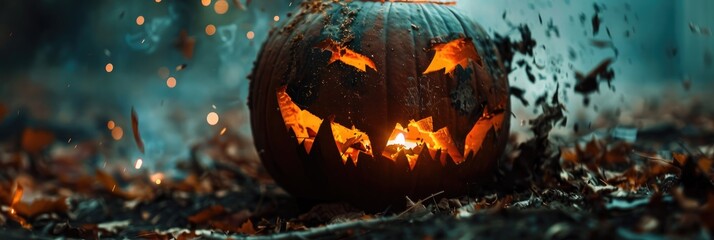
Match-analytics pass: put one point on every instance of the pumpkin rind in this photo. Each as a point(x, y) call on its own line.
point(399, 38)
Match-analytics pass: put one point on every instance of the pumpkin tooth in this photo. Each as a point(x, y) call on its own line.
point(420, 134)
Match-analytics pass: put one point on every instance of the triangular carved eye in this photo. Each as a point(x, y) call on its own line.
point(449, 55)
point(346, 55)
point(305, 125)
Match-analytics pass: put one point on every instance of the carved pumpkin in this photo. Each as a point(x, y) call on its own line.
point(371, 101)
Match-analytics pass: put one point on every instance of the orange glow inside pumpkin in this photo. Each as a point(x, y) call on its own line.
point(419, 134)
point(454, 53)
point(475, 138)
point(346, 55)
point(350, 141)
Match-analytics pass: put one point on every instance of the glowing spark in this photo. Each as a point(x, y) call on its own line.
point(109, 67)
point(205, 3)
point(212, 118)
point(171, 82)
point(111, 125)
point(276, 18)
point(138, 164)
point(140, 20)
point(250, 35)
point(223, 131)
point(221, 6)
point(117, 133)
point(210, 29)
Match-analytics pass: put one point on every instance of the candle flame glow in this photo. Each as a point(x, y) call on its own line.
point(401, 140)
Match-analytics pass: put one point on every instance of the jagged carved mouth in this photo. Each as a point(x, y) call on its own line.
point(410, 140)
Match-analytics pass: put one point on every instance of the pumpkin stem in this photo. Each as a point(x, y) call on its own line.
point(415, 1)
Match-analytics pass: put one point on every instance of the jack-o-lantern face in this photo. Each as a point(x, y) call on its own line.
point(371, 101)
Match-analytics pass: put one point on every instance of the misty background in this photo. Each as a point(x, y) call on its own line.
point(53, 58)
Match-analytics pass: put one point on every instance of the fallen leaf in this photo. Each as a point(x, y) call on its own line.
point(111, 185)
point(680, 158)
point(570, 155)
point(247, 228)
point(17, 195)
point(135, 130)
point(42, 206)
point(705, 164)
point(35, 141)
point(207, 214)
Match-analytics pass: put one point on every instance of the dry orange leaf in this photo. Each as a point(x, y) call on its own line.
point(207, 214)
point(680, 158)
point(705, 164)
point(247, 228)
point(17, 195)
point(111, 185)
point(35, 141)
point(569, 155)
point(41, 206)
